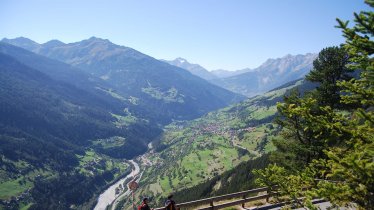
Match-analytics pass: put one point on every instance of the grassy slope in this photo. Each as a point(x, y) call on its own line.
point(192, 152)
point(90, 163)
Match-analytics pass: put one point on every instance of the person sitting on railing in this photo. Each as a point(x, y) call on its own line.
point(144, 205)
point(170, 203)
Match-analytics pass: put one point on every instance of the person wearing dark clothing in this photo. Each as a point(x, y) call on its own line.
point(170, 203)
point(144, 205)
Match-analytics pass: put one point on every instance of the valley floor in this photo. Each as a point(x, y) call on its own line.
point(110, 195)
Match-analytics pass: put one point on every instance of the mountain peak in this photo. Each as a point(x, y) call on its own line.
point(19, 40)
point(97, 39)
point(195, 69)
point(22, 42)
point(181, 60)
point(53, 43)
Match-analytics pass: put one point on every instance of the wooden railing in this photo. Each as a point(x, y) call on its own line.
point(201, 204)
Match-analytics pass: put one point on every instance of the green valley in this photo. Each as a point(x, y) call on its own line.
point(192, 152)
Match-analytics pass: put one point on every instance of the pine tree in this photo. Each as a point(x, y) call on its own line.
point(354, 165)
point(329, 68)
point(300, 142)
point(347, 170)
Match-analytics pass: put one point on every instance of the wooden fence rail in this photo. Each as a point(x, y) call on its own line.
point(212, 206)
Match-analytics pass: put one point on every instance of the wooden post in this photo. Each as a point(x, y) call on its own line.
point(211, 204)
point(243, 204)
point(133, 200)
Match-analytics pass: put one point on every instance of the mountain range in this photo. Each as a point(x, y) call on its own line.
point(162, 90)
point(202, 72)
point(195, 69)
point(250, 82)
point(221, 73)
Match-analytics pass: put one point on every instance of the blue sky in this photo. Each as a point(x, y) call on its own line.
point(225, 34)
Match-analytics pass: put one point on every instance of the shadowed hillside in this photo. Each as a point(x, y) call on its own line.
point(166, 91)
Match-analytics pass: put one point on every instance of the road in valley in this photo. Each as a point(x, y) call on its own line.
point(109, 196)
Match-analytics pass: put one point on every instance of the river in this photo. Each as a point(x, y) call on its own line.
point(109, 195)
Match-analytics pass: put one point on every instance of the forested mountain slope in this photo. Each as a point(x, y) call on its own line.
point(165, 91)
point(82, 90)
point(46, 131)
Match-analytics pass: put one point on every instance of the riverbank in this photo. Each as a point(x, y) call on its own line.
point(109, 195)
